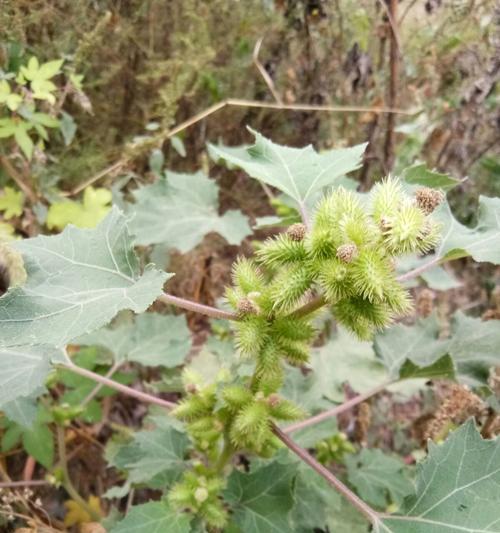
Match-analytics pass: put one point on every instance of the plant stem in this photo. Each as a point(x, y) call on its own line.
point(197, 308)
point(365, 509)
point(31, 483)
point(92, 394)
point(349, 404)
point(419, 270)
point(309, 307)
point(19, 179)
point(225, 455)
point(129, 391)
point(67, 484)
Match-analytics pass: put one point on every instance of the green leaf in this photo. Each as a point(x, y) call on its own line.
point(314, 500)
point(23, 411)
point(154, 457)
point(262, 500)
point(457, 489)
point(481, 242)
point(39, 442)
point(298, 172)
point(11, 203)
point(178, 145)
point(95, 206)
point(417, 351)
point(419, 174)
point(24, 140)
point(180, 210)
point(50, 69)
point(77, 282)
point(68, 128)
point(154, 340)
point(414, 351)
point(153, 517)
point(24, 369)
point(379, 479)
point(44, 120)
point(344, 359)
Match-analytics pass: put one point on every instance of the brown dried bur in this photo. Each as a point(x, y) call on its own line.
point(425, 302)
point(428, 199)
point(296, 232)
point(347, 252)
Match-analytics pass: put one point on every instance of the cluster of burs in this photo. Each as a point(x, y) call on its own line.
point(347, 256)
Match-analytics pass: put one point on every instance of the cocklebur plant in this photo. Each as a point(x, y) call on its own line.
point(218, 452)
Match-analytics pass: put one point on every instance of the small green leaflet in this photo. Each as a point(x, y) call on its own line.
point(262, 500)
point(298, 172)
point(419, 174)
point(481, 242)
point(458, 488)
point(77, 282)
point(152, 339)
point(154, 456)
point(153, 517)
point(178, 210)
point(379, 479)
point(11, 203)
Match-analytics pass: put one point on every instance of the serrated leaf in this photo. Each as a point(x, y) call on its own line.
point(481, 242)
point(24, 369)
point(153, 517)
point(11, 203)
point(24, 140)
point(413, 351)
point(298, 172)
point(345, 359)
point(457, 488)
point(180, 209)
point(77, 282)
point(417, 351)
point(94, 207)
point(39, 442)
point(262, 500)
point(154, 340)
point(379, 479)
point(419, 174)
point(154, 457)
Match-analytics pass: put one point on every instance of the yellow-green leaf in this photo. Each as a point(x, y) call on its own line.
point(11, 203)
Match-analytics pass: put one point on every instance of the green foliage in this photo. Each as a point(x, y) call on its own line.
point(11, 203)
point(87, 214)
point(178, 210)
point(157, 515)
point(457, 476)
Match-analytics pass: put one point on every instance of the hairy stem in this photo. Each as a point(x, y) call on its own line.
point(349, 404)
point(67, 484)
point(311, 306)
point(20, 484)
point(95, 391)
point(419, 270)
point(365, 509)
point(225, 455)
point(129, 391)
point(197, 308)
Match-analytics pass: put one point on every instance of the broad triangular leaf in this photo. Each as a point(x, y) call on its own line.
point(153, 517)
point(154, 456)
point(458, 488)
point(379, 479)
point(180, 209)
point(77, 282)
point(262, 500)
point(298, 172)
point(481, 242)
point(152, 339)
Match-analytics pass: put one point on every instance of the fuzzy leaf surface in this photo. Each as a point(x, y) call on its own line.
point(379, 479)
point(178, 210)
point(481, 242)
point(457, 488)
point(153, 517)
point(77, 282)
point(298, 172)
point(152, 339)
point(153, 456)
point(262, 500)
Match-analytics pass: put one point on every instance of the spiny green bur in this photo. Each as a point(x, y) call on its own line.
point(348, 256)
